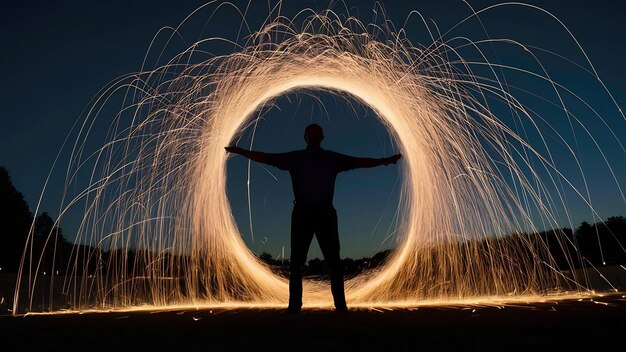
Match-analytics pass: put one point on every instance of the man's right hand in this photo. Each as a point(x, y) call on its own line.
point(250, 154)
point(233, 149)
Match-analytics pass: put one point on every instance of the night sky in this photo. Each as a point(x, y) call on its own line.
point(56, 55)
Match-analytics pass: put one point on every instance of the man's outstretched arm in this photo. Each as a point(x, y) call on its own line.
point(252, 155)
point(373, 162)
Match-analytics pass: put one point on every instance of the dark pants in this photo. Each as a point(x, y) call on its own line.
point(305, 222)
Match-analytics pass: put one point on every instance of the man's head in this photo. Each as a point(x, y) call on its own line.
point(313, 135)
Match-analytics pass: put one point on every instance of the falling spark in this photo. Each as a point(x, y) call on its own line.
point(471, 186)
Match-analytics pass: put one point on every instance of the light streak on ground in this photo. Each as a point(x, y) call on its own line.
point(463, 304)
point(156, 197)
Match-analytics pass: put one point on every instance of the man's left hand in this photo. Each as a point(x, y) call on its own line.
point(393, 159)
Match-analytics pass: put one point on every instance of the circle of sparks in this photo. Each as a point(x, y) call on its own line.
point(158, 219)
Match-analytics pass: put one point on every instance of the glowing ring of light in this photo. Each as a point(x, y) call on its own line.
point(350, 81)
point(416, 120)
point(177, 207)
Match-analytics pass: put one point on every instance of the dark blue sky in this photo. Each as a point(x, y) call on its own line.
point(55, 56)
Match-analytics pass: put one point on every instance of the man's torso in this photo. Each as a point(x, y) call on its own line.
point(313, 173)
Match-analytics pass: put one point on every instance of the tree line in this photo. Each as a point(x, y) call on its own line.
point(597, 244)
point(16, 220)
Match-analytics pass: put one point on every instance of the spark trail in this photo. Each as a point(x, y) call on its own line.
point(157, 226)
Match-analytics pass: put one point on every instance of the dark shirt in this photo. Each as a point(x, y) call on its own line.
point(313, 172)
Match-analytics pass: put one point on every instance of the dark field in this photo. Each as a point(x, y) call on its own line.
point(562, 326)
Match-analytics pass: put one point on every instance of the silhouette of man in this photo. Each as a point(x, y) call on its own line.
point(313, 172)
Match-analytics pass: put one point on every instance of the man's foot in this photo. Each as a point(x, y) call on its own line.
point(341, 309)
point(293, 310)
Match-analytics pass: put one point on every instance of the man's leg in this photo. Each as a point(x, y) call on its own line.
point(301, 236)
point(328, 239)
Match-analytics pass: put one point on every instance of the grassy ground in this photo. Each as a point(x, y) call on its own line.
point(566, 325)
